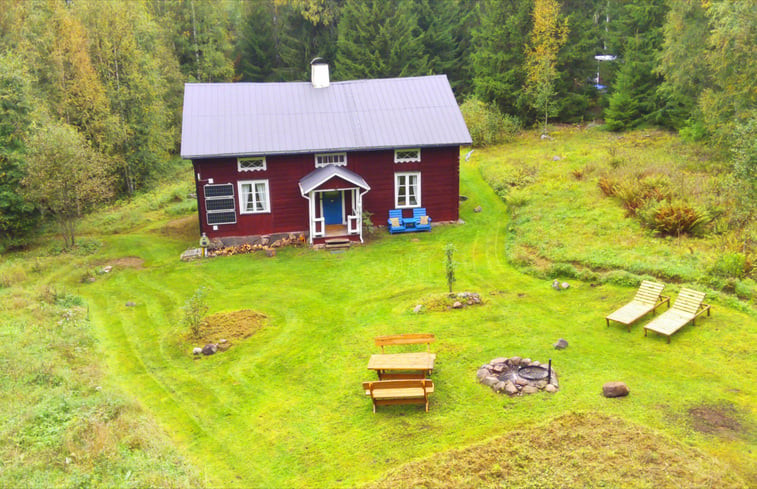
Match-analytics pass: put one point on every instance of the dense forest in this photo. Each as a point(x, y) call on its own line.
point(91, 91)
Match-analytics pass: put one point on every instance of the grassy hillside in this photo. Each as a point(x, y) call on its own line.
point(283, 407)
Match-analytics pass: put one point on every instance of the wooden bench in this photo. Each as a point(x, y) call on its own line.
point(405, 339)
point(407, 391)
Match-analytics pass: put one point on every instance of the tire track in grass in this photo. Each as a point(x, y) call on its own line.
point(205, 397)
point(154, 392)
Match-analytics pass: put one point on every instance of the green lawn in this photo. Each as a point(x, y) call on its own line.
point(285, 409)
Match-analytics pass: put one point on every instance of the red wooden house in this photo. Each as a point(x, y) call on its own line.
point(311, 157)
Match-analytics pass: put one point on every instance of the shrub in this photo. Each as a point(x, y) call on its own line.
point(195, 310)
point(673, 218)
point(487, 125)
point(563, 270)
point(516, 198)
point(746, 289)
point(621, 277)
point(730, 265)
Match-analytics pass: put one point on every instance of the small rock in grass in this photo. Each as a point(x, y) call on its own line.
point(490, 380)
point(556, 285)
point(222, 341)
point(499, 386)
point(457, 305)
point(131, 304)
point(418, 308)
point(477, 209)
point(510, 388)
point(209, 349)
point(561, 344)
point(196, 351)
point(615, 389)
point(565, 285)
point(530, 389)
point(550, 388)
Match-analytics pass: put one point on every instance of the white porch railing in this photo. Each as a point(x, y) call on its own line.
point(353, 224)
point(319, 227)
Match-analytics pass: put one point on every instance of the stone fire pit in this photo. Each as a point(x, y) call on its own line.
point(516, 376)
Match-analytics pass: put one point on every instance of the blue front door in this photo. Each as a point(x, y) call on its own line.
point(332, 207)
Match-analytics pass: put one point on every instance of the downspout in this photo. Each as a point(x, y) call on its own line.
point(360, 208)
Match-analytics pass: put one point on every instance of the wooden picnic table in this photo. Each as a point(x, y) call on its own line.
point(416, 365)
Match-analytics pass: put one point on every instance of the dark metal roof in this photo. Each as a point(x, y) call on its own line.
point(229, 119)
point(318, 177)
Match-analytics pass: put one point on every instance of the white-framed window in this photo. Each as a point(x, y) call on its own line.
point(253, 163)
point(253, 197)
point(219, 204)
point(407, 189)
point(338, 159)
point(407, 155)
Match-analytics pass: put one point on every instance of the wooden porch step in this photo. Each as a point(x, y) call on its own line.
point(337, 243)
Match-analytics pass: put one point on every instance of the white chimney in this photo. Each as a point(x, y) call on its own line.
point(319, 73)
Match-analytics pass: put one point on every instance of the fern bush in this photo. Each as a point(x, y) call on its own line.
point(636, 193)
point(673, 218)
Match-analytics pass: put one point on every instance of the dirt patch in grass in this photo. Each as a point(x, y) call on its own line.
point(183, 228)
point(716, 420)
point(575, 450)
point(127, 262)
point(233, 326)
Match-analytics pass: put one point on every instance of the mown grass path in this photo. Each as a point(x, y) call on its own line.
point(285, 409)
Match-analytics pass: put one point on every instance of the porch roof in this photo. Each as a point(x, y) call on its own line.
point(318, 177)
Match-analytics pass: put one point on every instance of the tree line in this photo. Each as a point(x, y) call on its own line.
point(91, 91)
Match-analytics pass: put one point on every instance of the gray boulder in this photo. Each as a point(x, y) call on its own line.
point(209, 349)
point(615, 389)
point(561, 344)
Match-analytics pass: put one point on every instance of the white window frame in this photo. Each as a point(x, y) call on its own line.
point(417, 186)
point(243, 197)
point(337, 159)
point(250, 159)
point(407, 159)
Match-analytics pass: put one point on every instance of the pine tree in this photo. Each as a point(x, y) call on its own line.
point(259, 51)
point(202, 32)
point(440, 22)
point(574, 87)
point(637, 28)
point(499, 53)
point(379, 39)
point(683, 62)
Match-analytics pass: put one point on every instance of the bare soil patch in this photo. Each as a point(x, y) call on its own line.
point(716, 420)
point(127, 262)
point(575, 450)
point(184, 228)
point(232, 326)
